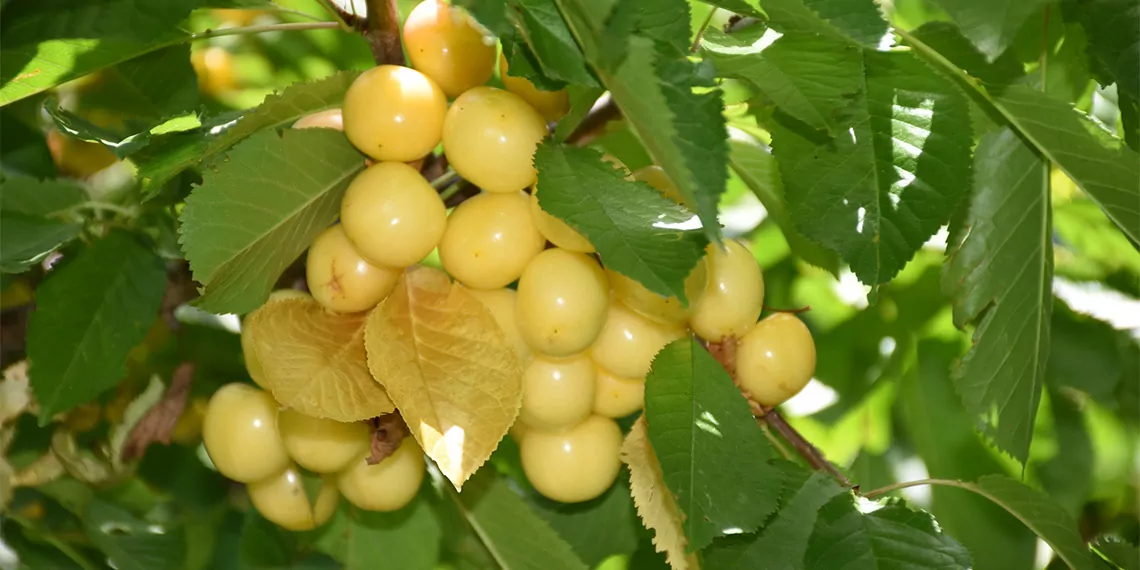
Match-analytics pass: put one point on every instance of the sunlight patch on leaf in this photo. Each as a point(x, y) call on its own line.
point(655, 504)
point(448, 367)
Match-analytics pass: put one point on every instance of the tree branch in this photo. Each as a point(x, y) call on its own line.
point(382, 30)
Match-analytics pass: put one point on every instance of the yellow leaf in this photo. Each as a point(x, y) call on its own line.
point(448, 367)
point(655, 504)
point(313, 361)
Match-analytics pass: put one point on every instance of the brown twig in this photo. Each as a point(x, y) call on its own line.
point(389, 432)
point(382, 30)
point(594, 125)
point(809, 452)
point(158, 423)
point(725, 352)
point(797, 311)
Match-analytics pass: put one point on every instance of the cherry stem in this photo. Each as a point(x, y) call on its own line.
point(798, 311)
point(725, 352)
point(382, 30)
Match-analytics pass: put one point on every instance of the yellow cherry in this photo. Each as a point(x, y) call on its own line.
point(734, 295)
point(340, 279)
point(575, 465)
point(240, 433)
point(444, 43)
point(322, 445)
point(394, 113)
point(776, 359)
point(552, 105)
point(282, 500)
point(558, 232)
point(562, 302)
point(629, 342)
point(557, 392)
point(327, 119)
point(388, 485)
point(489, 137)
point(489, 239)
point(392, 215)
point(617, 397)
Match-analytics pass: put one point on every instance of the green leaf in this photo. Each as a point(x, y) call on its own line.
point(1067, 476)
point(1000, 278)
point(25, 241)
point(89, 314)
point(811, 78)
point(1086, 355)
point(406, 539)
point(712, 454)
point(783, 544)
point(515, 536)
point(683, 130)
point(181, 151)
point(860, 20)
point(38, 198)
point(1101, 165)
point(758, 169)
point(1040, 513)
point(1113, 28)
point(944, 437)
point(50, 42)
point(25, 149)
point(1098, 163)
point(638, 232)
point(1125, 555)
point(665, 22)
point(551, 42)
point(893, 536)
point(121, 143)
point(132, 544)
point(259, 209)
point(948, 40)
point(1088, 245)
point(877, 192)
point(991, 25)
point(150, 88)
point(596, 529)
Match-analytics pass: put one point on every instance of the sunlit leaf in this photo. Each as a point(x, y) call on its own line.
point(655, 503)
point(448, 367)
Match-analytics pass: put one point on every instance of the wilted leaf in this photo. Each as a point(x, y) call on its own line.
point(15, 396)
point(313, 361)
point(157, 424)
point(80, 463)
point(133, 414)
point(655, 504)
point(448, 367)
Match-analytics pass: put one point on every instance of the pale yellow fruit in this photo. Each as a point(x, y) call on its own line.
point(392, 215)
point(489, 240)
point(558, 232)
point(552, 105)
point(501, 303)
point(281, 499)
point(394, 113)
point(562, 302)
point(629, 342)
point(327, 119)
point(734, 296)
point(240, 433)
point(617, 397)
point(575, 465)
point(489, 137)
point(557, 392)
point(444, 44)
point(322, 445)
point(656, 177)
point(340, 279)
point(776, 359)
point(657, 307)
point(388, 485)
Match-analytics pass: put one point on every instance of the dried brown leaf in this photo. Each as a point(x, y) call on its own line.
point(314, 362)
point(159, 421)
point(448, 367)
point(388, 433)
point(655, 504)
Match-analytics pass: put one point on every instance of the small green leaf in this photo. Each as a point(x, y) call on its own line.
point(758, 169)
point(783, 543)
point(132, 544)
point(259, 208)
point(948, 40)
point(1000, 278)
point(712, 453)
point(514, 535)
point(551, 42)
point(992, 25)
point(1113, 28)
point(89, 314)
point(893, 536)
point(362, 540)
point(121, 143)
point(637, 232)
